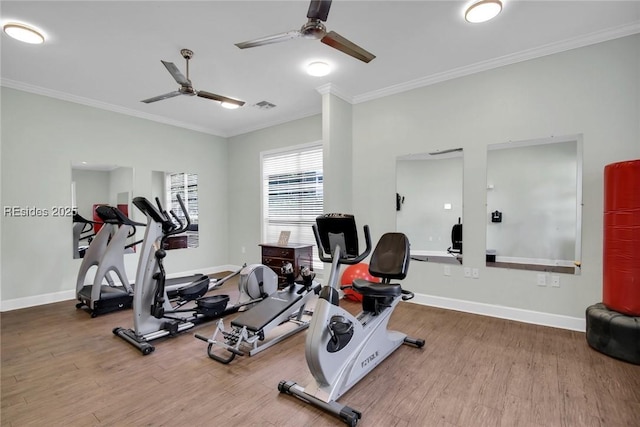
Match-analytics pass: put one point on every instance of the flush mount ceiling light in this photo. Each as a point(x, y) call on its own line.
point(318, 69)
point(23, 32)
point(482, 11)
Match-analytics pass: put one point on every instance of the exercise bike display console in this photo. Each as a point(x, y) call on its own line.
point(342, 348)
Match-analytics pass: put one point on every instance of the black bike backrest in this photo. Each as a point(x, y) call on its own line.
point(390, 258)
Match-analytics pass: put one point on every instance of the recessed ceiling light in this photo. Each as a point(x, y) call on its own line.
point(482, 11)
point(23, 32)
point(318, 69)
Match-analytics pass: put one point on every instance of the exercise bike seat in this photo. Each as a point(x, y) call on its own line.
point(389, 260)
point(374, 289)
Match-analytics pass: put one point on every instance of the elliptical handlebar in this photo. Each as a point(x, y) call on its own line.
point(343, 259)
point(161, 216)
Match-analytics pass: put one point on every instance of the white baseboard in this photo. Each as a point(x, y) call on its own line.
point(35, 300)
point(32, 301)
point(502, 312)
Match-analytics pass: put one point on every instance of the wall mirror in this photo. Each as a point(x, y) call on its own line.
point(534, 205)
point(93, 185)
point(166, 186)
point(429, 204)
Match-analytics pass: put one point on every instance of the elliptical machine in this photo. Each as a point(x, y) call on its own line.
point(341, 348)
point(106, 252)
point(158, 314)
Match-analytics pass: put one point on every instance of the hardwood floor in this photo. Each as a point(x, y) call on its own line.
point(61, 367)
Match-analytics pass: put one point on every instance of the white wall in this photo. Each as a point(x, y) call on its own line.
point(41, 136)
point(592, 91)
point(244, 203)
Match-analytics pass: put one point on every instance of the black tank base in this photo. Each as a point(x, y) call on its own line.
point(348, 415)
point(614, 334)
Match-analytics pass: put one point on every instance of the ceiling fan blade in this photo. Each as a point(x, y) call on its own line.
point(220, 98)
point(319, 9)
point(336, 41)
point(161, 97)
point(276, 38)
point(177, 74)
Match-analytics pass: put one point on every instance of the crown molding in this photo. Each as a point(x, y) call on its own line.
point(549, 49)
point(332, 89)
point(25, 87)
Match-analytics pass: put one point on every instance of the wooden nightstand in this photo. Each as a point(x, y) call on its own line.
point(275, 256)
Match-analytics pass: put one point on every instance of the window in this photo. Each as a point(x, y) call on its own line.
point(292, 193)
point(185, 184)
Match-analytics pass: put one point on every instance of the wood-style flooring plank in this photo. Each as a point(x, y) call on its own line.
point(61, 367)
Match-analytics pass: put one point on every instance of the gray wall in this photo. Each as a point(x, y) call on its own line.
point(42, 136)
point(591, 91)
point(245, 181)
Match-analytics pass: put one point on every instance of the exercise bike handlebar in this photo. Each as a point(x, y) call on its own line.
point(343, 260)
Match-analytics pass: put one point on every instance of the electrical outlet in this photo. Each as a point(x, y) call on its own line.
point(542, 279)
point(243, 250)
point(475, 273)
point(555, 281)
point(467, 272)
point(447, 270)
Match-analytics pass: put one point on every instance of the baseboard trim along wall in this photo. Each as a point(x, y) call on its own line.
point(502, 312)
point(32, 301)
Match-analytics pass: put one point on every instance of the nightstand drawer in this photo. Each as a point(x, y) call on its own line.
point(270, 251)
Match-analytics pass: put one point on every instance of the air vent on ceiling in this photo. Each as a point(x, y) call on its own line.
point(264, 105)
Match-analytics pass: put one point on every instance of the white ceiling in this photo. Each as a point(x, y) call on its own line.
point(107, 54)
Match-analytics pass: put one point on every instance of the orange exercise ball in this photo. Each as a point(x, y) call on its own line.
point(356, 271)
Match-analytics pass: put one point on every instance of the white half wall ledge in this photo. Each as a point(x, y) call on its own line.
point(70, 295)
point(502, 312)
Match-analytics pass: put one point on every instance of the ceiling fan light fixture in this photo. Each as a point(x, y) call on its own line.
point(482, 11)
point(318, 69)
point(229, 105)
point(23, 33)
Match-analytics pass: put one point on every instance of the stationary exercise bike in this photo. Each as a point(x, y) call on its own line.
point(159, 314)
point(272, 320)
point(341, 348)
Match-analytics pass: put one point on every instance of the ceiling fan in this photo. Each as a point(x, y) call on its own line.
point(315, 29)
point(186, 87)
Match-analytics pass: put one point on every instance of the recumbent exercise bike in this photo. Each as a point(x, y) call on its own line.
point(341, 348)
